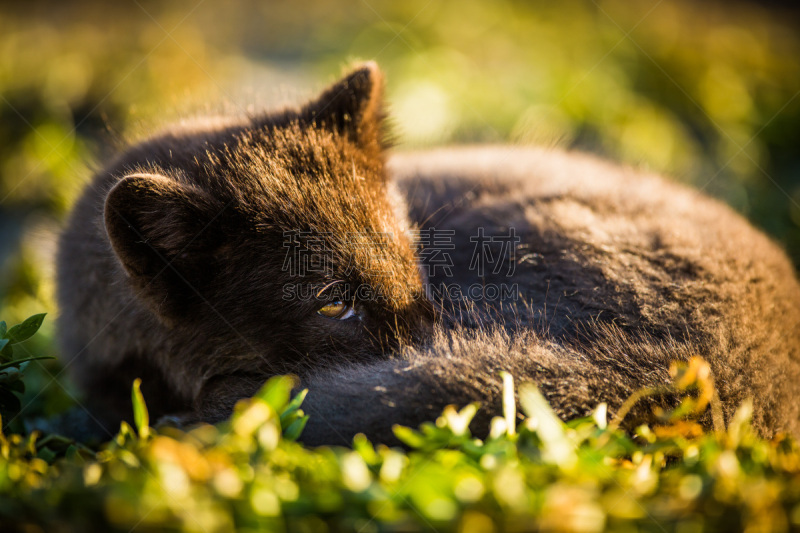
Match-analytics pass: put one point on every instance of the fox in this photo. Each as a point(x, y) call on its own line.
point(220, 252)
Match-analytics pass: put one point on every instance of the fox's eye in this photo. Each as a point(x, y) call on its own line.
point(338, 310)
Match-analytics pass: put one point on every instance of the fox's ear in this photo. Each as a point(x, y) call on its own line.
point(163, 234)
point(353, 106)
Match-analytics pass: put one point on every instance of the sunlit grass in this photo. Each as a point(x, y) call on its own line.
point(531, 472)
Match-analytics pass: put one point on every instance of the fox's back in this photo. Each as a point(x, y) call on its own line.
point(625, 270)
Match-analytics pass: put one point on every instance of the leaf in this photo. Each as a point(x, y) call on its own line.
point(47, 454)
point(6, 353)
point(276, 392)
point(3, 343)
point(409, 437)
point(509, 404)
point(556, 447)
point(9, 375)
point(458, 421)
point(55, 442)
point(290, 417)
point(78, 455)
point(140, 416)
point(295, 428)
point(366, 450)
point(294, 405)
point(24, 331)
point(600, 415)
point(3, 329)
point(740, 423)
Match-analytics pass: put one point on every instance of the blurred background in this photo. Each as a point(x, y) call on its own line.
point(707, 92)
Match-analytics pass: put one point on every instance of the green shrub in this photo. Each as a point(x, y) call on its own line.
point(533, 471)
point(11, 383)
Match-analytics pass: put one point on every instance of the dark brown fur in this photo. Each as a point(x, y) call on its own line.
point(171, 268)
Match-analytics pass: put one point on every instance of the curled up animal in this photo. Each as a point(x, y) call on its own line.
point(216, 254)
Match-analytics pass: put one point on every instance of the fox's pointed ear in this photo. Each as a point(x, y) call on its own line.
point(353, 106)
point(162, 233)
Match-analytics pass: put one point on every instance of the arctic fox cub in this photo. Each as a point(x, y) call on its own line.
point(214, 255)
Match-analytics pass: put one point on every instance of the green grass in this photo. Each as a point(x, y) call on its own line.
point(532, 472)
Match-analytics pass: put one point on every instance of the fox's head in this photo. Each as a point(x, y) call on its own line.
point(277, 235)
